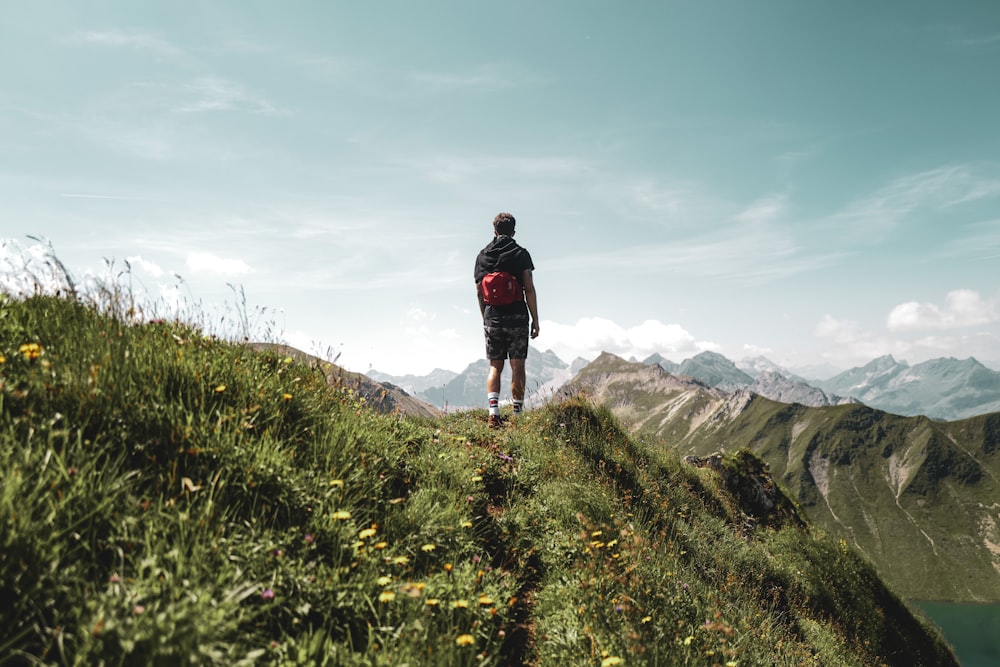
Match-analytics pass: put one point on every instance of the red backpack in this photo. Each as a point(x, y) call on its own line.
point(501, 289)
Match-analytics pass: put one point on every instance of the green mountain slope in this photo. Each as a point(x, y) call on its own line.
point(920, 498)
point(169, 498)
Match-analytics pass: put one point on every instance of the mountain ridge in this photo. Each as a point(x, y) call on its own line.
point(945, 388)
point(906, 490)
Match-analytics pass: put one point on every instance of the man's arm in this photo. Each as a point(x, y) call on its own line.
point(482, 304)
point(528, 283)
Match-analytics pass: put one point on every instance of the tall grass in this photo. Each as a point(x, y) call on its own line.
point(167, 497)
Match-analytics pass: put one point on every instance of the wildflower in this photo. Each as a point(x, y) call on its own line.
point(460, 604)
point(114, 579)
point(138, 609)
point(30, 350)
point(432, 602)
point(646, 619)
point(466, 524)
point(688, 640)
point(337, 482)
point(341, 515)
point(381, 545)
point(286, 397)
point(383, 580)
point(400, 560)
point(611, 660)
point(476, 478)
point(220, 388)
point(366, 533)
point(267, 594)
point(485, 600)
point(386, 596)
point(3, 359)
point(308, 538)
point(448, 567)
point(414, 590)
point(465, 640)
point(427, 548)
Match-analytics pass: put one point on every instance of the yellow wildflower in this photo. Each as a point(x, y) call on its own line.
point(485, 600)
point(220, 388)
point(381, 545)
point(646, 619)
point(30, 350)
point(286, 397)
point(341, 515)
point(337, 482)
point(688, 640)
point(400, 560)
point(428, 548)
point(465, 640)
point(460, 604)
point(432, 602)
point(386, 596)
point(366, 533)
point(3, 359)
point(383, 581)
point(476, 478)
point(466, 524)
point(611, 660)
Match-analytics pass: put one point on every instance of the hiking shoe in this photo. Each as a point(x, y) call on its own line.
point(495, 421)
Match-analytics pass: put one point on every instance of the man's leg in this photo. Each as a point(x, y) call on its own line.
point(517, 382)
point(493, 385)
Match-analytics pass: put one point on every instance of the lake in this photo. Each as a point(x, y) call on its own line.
point(973, 630)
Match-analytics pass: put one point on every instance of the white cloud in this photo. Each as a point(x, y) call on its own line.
point(592, 335)
point(207, 262)
point(213, 94)
point(153, 269)
point(764, 209)
point(962, 308)
point(135, 40)
point(871, 217)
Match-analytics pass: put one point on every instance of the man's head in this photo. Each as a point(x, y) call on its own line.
point(503, 224)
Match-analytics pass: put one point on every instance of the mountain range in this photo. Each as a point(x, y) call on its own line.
point(921, 498)
point(943, 389)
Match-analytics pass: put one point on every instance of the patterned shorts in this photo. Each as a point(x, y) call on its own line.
point(504, 342)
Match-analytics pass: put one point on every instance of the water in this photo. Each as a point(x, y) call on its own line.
point(973, 630)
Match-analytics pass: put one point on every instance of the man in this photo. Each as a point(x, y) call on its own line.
point(507, 326)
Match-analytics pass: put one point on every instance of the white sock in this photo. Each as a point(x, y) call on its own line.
point(517, 406)
point(494, 401)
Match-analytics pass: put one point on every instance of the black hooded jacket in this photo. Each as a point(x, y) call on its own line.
point(503, 254)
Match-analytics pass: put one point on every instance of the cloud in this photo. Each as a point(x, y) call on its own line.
point(764, 209)
point(872, 217)
point(962, 308)
point(214, 94)
point(209, 263)
point(486, 78)
point(151, 268)
point(137, 41)
point(592, 335)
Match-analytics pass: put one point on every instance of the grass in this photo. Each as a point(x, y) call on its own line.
point(167, 497)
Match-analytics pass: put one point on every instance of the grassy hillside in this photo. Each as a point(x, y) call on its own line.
point(170, 498)
point(917, 496)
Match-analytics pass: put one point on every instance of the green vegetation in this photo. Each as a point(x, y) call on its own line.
point(167, 497)
point(916, 497)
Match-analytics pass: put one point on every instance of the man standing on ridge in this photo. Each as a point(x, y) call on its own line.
point(506, 294)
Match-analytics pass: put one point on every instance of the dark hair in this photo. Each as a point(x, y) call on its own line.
point(503, 224)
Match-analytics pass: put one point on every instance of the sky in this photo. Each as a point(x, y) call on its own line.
point(817, 183)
